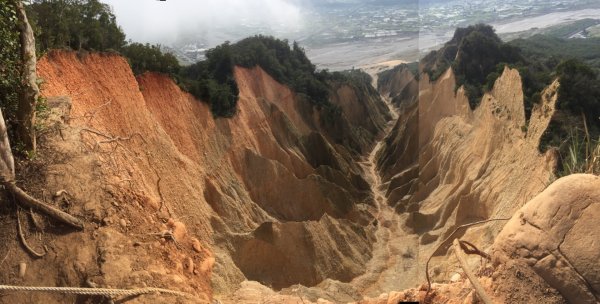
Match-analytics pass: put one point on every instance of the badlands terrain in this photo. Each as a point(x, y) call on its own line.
point(280, 204)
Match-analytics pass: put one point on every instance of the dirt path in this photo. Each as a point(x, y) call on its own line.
point(394, 264)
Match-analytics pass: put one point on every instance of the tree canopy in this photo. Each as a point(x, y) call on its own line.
point(76, 24)
point(212, 78)
point(147, 57)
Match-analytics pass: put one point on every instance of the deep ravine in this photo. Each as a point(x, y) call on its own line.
point(394, 262)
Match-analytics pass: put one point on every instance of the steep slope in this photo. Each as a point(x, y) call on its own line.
point(397, 162)
point(138, 157)
point(443, 165)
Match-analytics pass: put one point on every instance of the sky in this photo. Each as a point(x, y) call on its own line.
point(164, 21)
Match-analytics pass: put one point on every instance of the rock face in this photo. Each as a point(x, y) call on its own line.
point(476, 164)
point(471, 164)
point(557, 234)
point(277, 186)
point(397, 162)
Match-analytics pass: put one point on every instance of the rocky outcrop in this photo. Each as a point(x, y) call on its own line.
point(400, 84)
point(556, 234)
point(312, 251)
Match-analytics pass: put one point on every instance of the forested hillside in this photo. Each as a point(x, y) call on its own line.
point(90, 25)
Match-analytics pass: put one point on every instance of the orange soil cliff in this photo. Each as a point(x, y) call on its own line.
point(139, 157)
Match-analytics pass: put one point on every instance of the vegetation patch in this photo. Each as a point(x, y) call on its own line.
point(10, 65)
point(473, 53)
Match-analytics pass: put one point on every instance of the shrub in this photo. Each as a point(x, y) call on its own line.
point(579, 90)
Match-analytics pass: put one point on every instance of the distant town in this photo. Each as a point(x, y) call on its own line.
point(346, 23)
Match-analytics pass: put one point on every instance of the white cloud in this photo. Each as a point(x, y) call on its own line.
point(162, 21)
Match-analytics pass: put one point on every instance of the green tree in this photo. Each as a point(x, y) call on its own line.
point(146, 57)
point(579, 91)
point(76, 24)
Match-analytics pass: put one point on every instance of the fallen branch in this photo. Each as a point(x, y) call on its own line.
point(469, 248)
point(7, 179)
point(24, 241)
point(463, 264)
point(111, 139)
point(446, 240)
point(27, 201)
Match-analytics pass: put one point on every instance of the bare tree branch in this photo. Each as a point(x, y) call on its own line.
point(474, 281)
point(24, 241)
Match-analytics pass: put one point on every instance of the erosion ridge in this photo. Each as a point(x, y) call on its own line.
point(480, 164)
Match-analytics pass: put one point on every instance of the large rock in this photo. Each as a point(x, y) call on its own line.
point(558, 235)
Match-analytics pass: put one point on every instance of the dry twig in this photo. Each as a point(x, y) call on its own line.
point(109, 138)
point(469, 248)
point(6, 256)
point(463, 264)
point(24, 241)
point(168, 235)
point(446, 240)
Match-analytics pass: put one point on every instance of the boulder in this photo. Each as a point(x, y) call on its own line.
point(558, 235)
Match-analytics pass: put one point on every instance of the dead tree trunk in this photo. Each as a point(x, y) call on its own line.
point(30, 92)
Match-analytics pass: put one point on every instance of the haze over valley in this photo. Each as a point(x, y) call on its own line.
point(336, 34)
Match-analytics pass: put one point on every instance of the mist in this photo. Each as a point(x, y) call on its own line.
point(212, 21)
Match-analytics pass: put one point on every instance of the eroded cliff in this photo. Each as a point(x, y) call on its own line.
point(280, 202)
point(274, 194)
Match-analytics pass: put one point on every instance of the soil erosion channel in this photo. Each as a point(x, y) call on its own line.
point(394, 264)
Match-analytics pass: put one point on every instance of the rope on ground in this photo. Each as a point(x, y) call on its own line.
point(463, 264)
point(109, 292)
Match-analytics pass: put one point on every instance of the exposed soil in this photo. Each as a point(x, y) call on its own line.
point(277, 205)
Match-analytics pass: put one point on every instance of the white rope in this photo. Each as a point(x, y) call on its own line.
point(96, 291)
